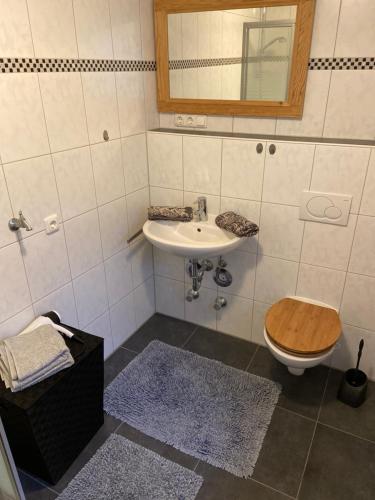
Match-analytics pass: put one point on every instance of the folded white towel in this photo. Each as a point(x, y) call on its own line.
point(29, 358)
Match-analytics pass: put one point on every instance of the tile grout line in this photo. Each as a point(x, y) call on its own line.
point(313, 435)
point(190, 336)
point(252, 357)
point(346, 432)
point(271, 488)
point(310, 419)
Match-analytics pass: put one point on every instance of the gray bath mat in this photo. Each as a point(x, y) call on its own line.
point(200, 406)
point(123, 470)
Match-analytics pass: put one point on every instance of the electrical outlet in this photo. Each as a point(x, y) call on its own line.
point(51, 224)
point(190, 121)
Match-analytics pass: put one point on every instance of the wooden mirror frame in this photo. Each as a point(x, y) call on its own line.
point(292, 107)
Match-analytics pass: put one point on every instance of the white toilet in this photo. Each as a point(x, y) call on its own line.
point(301, 333)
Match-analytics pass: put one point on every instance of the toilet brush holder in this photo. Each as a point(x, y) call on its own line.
point(353, 388)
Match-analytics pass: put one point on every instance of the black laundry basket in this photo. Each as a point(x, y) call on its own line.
point(49, 424)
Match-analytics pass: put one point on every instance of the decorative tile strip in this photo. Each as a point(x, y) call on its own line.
point(342, 63)
point(43, 65)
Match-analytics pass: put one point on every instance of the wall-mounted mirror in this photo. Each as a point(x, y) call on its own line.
point(246, 57)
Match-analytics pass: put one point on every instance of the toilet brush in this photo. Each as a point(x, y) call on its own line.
point(353, 386)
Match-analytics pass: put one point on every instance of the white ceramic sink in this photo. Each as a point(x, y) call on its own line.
point(191, 239)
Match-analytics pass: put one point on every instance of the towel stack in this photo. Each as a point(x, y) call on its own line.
point(237, 224)
point(180, 214)
point(31, 357)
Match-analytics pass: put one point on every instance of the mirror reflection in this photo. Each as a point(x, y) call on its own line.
point(241, 54)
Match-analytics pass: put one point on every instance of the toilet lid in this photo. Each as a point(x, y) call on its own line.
point(301, 327)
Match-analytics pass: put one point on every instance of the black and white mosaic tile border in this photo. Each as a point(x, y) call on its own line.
point(44, 65)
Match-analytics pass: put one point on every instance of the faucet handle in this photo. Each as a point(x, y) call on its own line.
point(24, 222)
point(15, 224)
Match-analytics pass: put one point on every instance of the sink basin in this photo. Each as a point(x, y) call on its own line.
point(191, 239)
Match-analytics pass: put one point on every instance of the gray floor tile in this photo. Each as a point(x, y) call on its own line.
point(34, 490)
point(161, 448)
point(230, 350)
point(283, 455)
point(220, 485)
point(340, 467)
point(159, 327)
point(116, 363)
point(359, 421)
point(300, 394)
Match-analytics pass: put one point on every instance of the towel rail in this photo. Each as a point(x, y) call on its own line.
point(134, 236)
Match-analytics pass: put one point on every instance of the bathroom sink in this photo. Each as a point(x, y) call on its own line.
point(191, 239)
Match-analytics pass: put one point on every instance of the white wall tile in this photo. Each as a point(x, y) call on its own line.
point(126, 29)
point(165, 160)
point(235, 317)
point(219, 123)
point(91, 295)
point(328, 245)
point(17, 323)
point(102, 328)
point(275, 279)
point(15, 35)
point(46, 263)
point(170, 297)
point(248, 209)
point(287, 172)
point(151, 108)
point(168, 265)
point(325, 25)
point(53, 30)
point(259, 315)
point(122, 320)
point(134, 155)
point(242, 266)
point(147, 29)
point(358, 301)
point(83, 242)
point(312, 120)
point(23, 131)
point(93, 29)
point(140, 254)
point(368, 198)
point(247, 125)
point(362, 260)
point(64, 109)
point(113, 226)
point(6, 236)
point(356, 35)
point(108, 171)
point(99, 90)
point(351, 119)
point(319, 283)
point(62, 301)
point(75, 181)
point(131, 103)
point(242, 173)
point(281, 231)
point(32, 188)
point(340, 170)
point(119, 276)
point(345, 355)
point(14, 290)
point(137, 203)
point(161, 196)
point(201, 311)
point(202, 164)
point(144, 302)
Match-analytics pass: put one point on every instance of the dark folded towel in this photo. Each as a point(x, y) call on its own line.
point(236, 224)
point(180, 214)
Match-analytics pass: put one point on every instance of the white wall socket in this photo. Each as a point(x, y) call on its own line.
point(190, 121)
point(51, 223)
point(328, 208)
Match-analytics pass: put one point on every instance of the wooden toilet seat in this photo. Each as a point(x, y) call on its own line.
point(302, 328)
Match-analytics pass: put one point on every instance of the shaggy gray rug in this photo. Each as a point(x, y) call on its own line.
point(123, 470)
point(200, 406)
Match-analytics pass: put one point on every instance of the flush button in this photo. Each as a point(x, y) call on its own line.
point(259, 148)
point(272, 149)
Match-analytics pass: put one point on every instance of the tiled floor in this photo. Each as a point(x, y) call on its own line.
point(316, 448)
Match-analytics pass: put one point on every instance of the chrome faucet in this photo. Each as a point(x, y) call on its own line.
point(201, 212)
point(14, 224)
